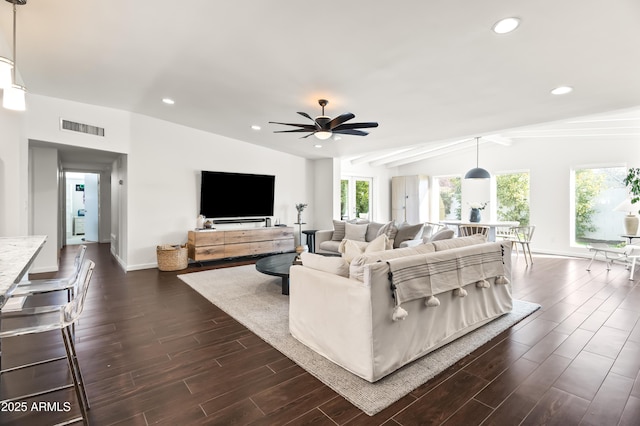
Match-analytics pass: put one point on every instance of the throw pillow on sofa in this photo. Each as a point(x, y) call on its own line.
point(355, 232)
point(351, 249)
point(331, 264)
point(407, 232)
point(443, 234)
point(389, 229)
point(338, 230)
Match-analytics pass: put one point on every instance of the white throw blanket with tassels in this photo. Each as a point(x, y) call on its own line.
point(425, 276)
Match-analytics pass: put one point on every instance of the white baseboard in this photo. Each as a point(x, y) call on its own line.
point(142, 266)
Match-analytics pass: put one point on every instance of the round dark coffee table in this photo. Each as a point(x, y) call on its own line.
point(277, 265)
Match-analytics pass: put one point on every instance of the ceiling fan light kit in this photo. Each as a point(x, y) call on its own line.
point(477, 172)
point(14, 95)
point(325, 127)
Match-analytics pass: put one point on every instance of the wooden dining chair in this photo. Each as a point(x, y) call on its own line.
point(523, 235)
point(468, 230)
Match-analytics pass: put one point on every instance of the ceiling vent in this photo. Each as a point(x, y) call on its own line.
point(72, 126)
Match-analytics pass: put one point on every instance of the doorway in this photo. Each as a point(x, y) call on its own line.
point(82, 207)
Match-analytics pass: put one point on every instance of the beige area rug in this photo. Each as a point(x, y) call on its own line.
point(255, 300)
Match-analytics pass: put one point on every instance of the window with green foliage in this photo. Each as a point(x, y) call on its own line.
point(448, 190)
point(355, 197)
point(512, 196)
point(363, 188)
point(344, 198)
point(597, 192)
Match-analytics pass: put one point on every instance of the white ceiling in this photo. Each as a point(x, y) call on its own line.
point(432, 73)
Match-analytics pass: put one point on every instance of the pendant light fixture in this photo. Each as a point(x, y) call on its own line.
point(14, 95)
point(6, 73)
point(477, 172)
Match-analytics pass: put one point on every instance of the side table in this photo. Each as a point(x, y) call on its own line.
point(311, 239)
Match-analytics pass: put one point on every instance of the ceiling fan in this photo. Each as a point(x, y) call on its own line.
point(324, 127)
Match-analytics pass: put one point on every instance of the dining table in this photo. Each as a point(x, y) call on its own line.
point(492, 225)
point(16, 257)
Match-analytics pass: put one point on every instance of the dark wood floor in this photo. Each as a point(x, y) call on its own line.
point(153, 351)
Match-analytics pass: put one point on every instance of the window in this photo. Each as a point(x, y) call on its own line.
point(355, 197)
point(447, 192)
point(597, 191)
point(512, 197)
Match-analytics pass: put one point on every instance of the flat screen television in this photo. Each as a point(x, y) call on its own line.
point(234, 195)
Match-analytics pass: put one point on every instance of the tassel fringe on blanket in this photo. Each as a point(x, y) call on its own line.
point(435, 273)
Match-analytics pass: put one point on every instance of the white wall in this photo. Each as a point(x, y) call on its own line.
point(326, 198)
point(164, 167)
point(158, 200)
point(13, 174)
point(44, 209)
point(550, 163)
point(381, 202)
point(118, 228)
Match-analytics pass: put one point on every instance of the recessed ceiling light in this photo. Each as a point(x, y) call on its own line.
point(318, 145)
point(256, 127)
point(506, 25)
point(168, 101)
point(562, 90)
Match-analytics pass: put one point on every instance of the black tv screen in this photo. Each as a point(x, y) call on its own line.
point(225, 195)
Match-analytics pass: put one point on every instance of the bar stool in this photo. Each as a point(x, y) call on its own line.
point(31, 287)
point(49, 318)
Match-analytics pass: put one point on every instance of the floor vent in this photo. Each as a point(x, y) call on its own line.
point(82, 128)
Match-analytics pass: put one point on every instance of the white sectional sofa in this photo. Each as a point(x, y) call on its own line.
point(349, 315)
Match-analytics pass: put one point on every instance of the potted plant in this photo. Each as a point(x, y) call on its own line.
point(632, 182)
point(474, 215)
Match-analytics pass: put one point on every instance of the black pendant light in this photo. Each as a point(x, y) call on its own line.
point(477, 172)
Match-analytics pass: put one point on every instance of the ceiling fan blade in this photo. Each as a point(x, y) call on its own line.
point(294, 124)
point(304, 114)
point(296, 130)
point(306, 136)
point(340, 119)
point(348, 126)
point(351, 132)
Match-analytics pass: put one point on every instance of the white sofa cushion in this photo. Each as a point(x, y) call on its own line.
point(330, 246)
point(332, 264)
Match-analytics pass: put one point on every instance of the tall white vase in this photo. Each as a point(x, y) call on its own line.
point(631, 224)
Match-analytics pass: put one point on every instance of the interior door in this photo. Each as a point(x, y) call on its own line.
point(92, 206)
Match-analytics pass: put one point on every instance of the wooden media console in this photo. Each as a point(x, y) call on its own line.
point(206, 245)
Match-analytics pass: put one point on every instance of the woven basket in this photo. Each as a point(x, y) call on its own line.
point(172, 258)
